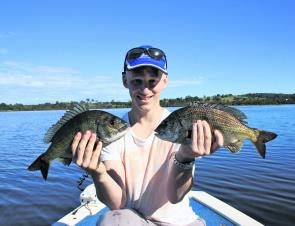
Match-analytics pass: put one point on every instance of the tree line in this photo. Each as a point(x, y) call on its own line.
point(228, 99)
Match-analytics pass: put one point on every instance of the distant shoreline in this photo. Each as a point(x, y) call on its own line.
point(227, 99)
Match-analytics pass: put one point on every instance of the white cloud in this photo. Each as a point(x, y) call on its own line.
point(26, 81)
point(186, 82)
point(30, 68)
point(28, 75)
point(18, 80)
point(3, 50)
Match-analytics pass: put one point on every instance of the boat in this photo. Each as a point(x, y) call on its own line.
point(213, 210)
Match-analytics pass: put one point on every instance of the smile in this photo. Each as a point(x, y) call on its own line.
point(144, 98)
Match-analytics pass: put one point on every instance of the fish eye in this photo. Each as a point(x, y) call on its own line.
point(112, 122)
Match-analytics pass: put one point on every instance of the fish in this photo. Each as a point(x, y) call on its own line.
point(231, 122)
point(107, 126)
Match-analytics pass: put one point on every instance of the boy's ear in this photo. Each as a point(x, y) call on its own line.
point(165, 79)
point(124, 79)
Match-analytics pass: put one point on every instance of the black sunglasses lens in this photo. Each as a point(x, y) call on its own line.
point(156, 53)
point(134, 54)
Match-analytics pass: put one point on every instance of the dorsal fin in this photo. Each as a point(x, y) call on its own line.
point(235, 112)
point(78, 108)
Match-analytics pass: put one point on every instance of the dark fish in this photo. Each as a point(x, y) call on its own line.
point(229, 121)
point(108, 128)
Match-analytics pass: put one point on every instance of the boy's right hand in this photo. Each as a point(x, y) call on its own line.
point(86, 155)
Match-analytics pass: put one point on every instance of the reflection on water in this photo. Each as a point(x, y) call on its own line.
point(261, 188)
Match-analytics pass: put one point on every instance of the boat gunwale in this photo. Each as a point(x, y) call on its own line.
point(88, 208)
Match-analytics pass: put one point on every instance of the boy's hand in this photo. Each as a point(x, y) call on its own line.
point(201, 142)
point(85, 154)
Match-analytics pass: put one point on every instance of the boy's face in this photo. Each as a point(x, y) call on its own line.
point(145, 85)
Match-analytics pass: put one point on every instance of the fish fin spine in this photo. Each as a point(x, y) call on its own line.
point(238, 114)
point(78, 108)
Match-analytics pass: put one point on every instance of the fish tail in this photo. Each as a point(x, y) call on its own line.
point(40, 164)
point(261, 138)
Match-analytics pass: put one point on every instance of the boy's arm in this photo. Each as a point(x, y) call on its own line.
point(108, 177)
point(180, 180)
point(110, 186)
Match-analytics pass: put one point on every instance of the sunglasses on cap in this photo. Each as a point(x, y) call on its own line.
point(154, 53)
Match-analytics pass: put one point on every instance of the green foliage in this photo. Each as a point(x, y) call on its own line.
point(229, 99)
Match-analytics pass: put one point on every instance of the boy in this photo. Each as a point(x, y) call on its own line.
point(141, 178)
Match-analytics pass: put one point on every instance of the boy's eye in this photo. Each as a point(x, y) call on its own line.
point(136, 82)
point(152, 83)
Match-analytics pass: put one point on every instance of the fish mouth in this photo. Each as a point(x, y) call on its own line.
point(160, 135)
point(116, 137)
point(157, 134)
point(160, 131)
point(165, 135)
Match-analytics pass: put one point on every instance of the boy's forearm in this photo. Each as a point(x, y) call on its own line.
point(108, 191)
point(179, 182)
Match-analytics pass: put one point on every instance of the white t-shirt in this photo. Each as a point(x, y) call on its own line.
point(146, 163)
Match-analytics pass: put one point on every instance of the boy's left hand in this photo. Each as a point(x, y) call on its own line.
point(201, 142)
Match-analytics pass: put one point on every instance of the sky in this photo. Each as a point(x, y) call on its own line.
point(64, 50)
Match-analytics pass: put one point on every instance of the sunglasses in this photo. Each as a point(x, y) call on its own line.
point(135, 53)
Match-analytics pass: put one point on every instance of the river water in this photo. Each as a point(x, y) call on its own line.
point(261, 188)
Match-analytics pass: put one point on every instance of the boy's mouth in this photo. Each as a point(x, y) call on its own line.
point(144, 98)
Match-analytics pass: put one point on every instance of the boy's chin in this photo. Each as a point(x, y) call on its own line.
point(144, 106)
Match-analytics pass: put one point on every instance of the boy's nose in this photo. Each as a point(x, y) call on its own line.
point(145, 89)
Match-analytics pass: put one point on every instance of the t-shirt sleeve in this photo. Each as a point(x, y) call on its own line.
point(112, 151)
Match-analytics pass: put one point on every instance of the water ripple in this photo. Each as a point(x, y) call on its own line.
point(262, 188)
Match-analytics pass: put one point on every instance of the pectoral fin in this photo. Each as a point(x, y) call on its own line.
point(234, 147)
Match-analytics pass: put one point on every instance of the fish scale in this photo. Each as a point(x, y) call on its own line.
point(217, 119)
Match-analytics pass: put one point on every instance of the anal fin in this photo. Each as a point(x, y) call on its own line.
point(65, 161)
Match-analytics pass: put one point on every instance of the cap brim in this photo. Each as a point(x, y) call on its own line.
point(147, 61)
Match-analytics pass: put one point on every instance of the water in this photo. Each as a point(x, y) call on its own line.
point(261, 188)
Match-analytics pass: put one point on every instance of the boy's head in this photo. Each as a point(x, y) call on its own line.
point(145, 56)
point(145, 75)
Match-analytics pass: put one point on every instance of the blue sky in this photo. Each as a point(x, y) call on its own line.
point(62, 50)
